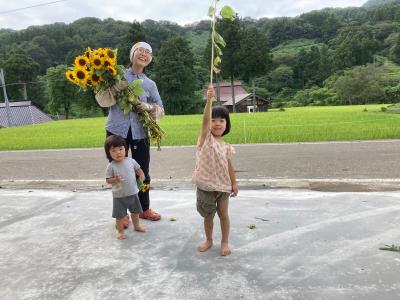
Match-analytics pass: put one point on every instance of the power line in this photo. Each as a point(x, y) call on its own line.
point(26, 7)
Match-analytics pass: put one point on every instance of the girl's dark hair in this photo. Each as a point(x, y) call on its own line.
point(114, 141)
point(223, 113)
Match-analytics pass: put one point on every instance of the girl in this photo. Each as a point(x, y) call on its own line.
point(130, 127)
point(120, 173)
point(214, 175)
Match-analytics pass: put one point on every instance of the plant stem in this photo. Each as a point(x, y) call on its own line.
point(212, 42)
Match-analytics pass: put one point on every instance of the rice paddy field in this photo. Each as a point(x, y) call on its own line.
point(300, 124)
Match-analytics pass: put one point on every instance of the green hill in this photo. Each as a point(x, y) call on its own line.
point(371, 3)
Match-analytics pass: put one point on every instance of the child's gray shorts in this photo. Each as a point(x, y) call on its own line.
point(120, 205)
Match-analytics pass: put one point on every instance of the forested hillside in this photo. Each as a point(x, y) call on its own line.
point(325, 57)
point(371, 3)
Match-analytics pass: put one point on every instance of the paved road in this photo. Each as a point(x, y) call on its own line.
point(343, 166)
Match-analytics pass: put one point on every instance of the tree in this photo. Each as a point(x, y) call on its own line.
point(281, 77)
point(174, 75)
point(254, 58)
point(325, 64)
point(231, 32)
point(59, 91)
point(307, 66)
point(19, 68)
point(360, 86)
point(395, 51)
point(134, 35)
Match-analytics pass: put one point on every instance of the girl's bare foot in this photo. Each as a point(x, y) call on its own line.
point(121, 235)
point(225, 249)
point(205, 246)
point(139, 229)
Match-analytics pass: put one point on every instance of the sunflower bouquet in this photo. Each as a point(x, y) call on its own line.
point(98, 70)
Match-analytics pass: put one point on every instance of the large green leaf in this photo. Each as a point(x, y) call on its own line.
point(136, 87)
point(219, 39)
point(227, 12)
point(218, 49)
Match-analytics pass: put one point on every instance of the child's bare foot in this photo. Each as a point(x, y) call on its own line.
point(139, 229)
point(225, 249)
point(121, 235)
point(205, 246)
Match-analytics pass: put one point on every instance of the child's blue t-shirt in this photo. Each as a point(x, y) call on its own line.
point(126, 169)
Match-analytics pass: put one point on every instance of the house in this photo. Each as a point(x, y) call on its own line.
point(243, 99)
point(22, 113)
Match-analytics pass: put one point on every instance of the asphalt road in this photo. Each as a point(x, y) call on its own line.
point(336, 166)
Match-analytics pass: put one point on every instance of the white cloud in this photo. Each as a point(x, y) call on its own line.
point(179, 11)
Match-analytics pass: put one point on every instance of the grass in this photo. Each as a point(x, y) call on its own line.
point(300, 124)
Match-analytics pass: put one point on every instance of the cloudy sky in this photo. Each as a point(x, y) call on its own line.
point(23, 13)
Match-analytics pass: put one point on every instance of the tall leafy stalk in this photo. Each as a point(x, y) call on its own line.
point(217, 42)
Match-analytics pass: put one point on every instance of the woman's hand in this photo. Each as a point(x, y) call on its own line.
point(146, 106)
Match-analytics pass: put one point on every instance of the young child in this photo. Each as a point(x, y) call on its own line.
point(214, 175)
point(120, 173)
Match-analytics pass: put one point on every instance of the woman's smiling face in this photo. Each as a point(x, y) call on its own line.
point(142, 57)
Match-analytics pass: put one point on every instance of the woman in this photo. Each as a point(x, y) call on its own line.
point(130, 126)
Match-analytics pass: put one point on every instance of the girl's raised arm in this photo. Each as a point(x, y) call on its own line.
point(206, 127)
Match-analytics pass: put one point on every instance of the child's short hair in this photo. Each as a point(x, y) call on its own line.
point(223, 113)
point(114, 141)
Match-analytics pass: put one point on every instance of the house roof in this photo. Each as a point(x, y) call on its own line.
point(22, 113)
point(225, 93)
point(225, 89)
point(227, 99)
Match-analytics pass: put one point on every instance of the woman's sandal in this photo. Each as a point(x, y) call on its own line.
point(150, 215)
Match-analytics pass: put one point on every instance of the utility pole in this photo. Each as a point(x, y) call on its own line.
point(8, 111)
point(254, 95)
point(25, 93)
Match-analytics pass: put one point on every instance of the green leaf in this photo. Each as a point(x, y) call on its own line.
point(218, 50)
point(217, 61)
point(211, 11)
point(139, 91)
point(136, 87)
point(98, 72)
point(219, 39)
point(227, 12)
point(216, 70)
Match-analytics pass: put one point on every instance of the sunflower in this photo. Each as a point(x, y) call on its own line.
point(102, 52)
point(81, 61)
point(109, 62)
point(88, 52)
point(111, 54)
point(97, 61)
point(70, 76)
point(95, 79)
point(112, 71)
point(81, 76)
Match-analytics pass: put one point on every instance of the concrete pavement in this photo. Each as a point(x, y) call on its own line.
point(306, 245)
